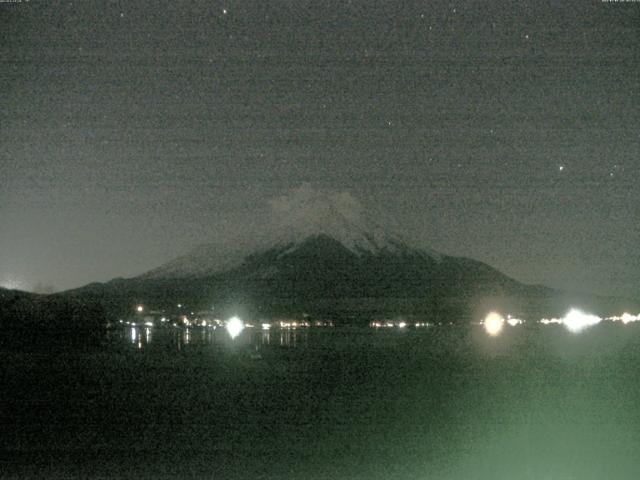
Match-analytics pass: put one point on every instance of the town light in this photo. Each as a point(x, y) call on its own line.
point(576, 321)
point(235, 326)
point(139, 309)
point(513, 321)
point(493, 323)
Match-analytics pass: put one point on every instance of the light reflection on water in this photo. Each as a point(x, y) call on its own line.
point(527, 398)
point(291, 338)
point(137, 336)
point(600, 339)
point(180, 338)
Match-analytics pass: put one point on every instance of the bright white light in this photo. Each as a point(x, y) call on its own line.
point(266, 326)
point(514, 321)
point(235, 326)
point(139, 309)
point(149, 324)
point(493, 323)
point(548, 321)
point(576, 321)
point(402, 324)
point(627, 317)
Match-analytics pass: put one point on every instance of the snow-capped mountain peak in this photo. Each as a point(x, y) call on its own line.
point(303, 214)
point(357, 235)
point(338, 216)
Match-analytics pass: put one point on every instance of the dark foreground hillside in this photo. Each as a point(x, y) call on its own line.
point(29, 321)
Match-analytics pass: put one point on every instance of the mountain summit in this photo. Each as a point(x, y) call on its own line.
point(322, 251)
point(294, 219)
point(340, 216)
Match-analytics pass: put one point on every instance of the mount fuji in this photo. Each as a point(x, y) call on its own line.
point(321, 254)
point(356, 233)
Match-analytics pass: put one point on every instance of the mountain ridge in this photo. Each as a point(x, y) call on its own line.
point(293, 219)
point(322, 277)
point(324, 255)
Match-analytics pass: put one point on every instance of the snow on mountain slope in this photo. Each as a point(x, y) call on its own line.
point(202, 261)
point(308, 212)
point(303, 213)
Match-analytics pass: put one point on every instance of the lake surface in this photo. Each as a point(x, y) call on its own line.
point(442, 402)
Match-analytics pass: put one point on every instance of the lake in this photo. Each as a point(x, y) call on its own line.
point(443, 402)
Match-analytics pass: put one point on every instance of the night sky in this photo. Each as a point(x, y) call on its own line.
point(132, 131)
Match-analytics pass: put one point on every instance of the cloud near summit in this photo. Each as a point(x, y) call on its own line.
point(308, 204)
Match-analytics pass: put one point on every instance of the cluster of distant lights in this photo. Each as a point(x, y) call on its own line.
point(234, 325)
point(575, 321)
point(398, 324)
point(494, 323)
